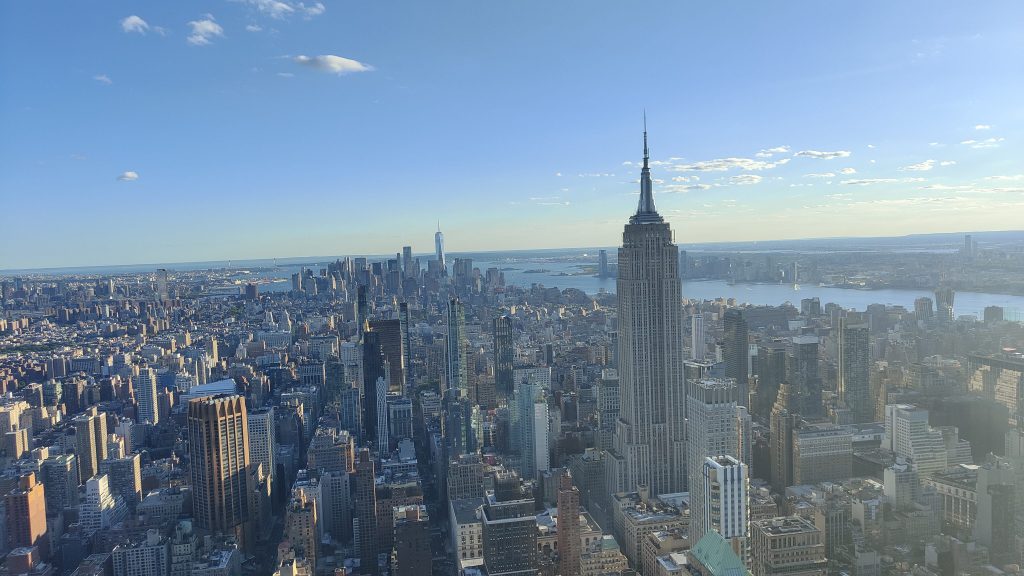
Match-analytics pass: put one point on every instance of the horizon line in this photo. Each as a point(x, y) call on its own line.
point(9, 271)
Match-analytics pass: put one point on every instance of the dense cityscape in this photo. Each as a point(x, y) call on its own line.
point(418, 415)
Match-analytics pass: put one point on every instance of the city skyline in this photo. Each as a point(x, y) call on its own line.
point(191, 124)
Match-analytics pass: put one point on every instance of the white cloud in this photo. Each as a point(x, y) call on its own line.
point(333, 64)
point(128, 176)
point(986, 143)
point(871, 145)
point(847, 171)
point(823, 155)
point(315, 9)
point(725, 164)
point(872, 181)
point(1011, 177)
point(103, 79)
point(285, 74)
point(204, 30)
point(253, 28)
point(559, 174)
point(919, 167)
point(821, 175)
point(936, 144)
point(743, 179)
point(947, 163)
point(134, 24)
point(693, 178)
point(982, 127)
point(280, 9)
point(683, 188)
point(769, 152)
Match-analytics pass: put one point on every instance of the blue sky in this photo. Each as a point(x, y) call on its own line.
point(172, 131)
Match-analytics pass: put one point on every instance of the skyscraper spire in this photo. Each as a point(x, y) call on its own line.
point(645, 211)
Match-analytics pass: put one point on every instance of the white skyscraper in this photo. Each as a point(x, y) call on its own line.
point(726, 504)
point(262, 446)
point(697, 348)
point(649, 447)
point(712, 432)
point(100, 509)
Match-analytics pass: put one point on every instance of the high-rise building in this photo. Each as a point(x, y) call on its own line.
point(406, 261)
point(218, 434)
point(101, 508)
point(125, 477)
point(711, 421)
point(771, 372)
point(90, 441)
point(504, 356)
point(148, 556)
point(262, 442)
point(789, 546)
point(908, 435)
point(59, 475)
point(365, 517)
point(394, 354)
point(412, 541)
point(784, 421)
point(439, 250)
point(649, 446)
point(944, 304)
point(725, 508)
point(602, 264)
point(405, 320)
point(737, 352)
point(697, 346)
point(510, 537)
point(569, 545)
point(374, 369)
point(456, 373)
point(25, 508)
point(855, 370)
point(803, 373)
point(996, 525)
point(146, 396)
point(821, 453)
point(162, 292)
point(607, 407)
point(530, 426)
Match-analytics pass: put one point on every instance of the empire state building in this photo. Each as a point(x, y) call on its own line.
point(649, 448)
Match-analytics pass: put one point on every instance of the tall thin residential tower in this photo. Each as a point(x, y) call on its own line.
point(649, 447)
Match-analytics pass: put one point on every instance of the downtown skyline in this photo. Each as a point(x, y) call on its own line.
point(196, 138)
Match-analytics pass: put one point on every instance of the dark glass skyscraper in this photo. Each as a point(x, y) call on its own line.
point(504, 355)
point(737, 352)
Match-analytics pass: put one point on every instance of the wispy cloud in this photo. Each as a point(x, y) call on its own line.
point(134, 24)
point(744, 179)
point(823, 155)
point(253, 28)
point(683, 188)
point(103, 79)
point(128, 176)
point(726, 164)
point(919, 167)
point(280, 9)
point(769, 152)
point(1012, 177)
point(986, 143)
point(847, 171)
point(203, 31)
point(982, 127)
point(872, 181)
point(820, 175)
point(947, 163)
point(333, 64)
